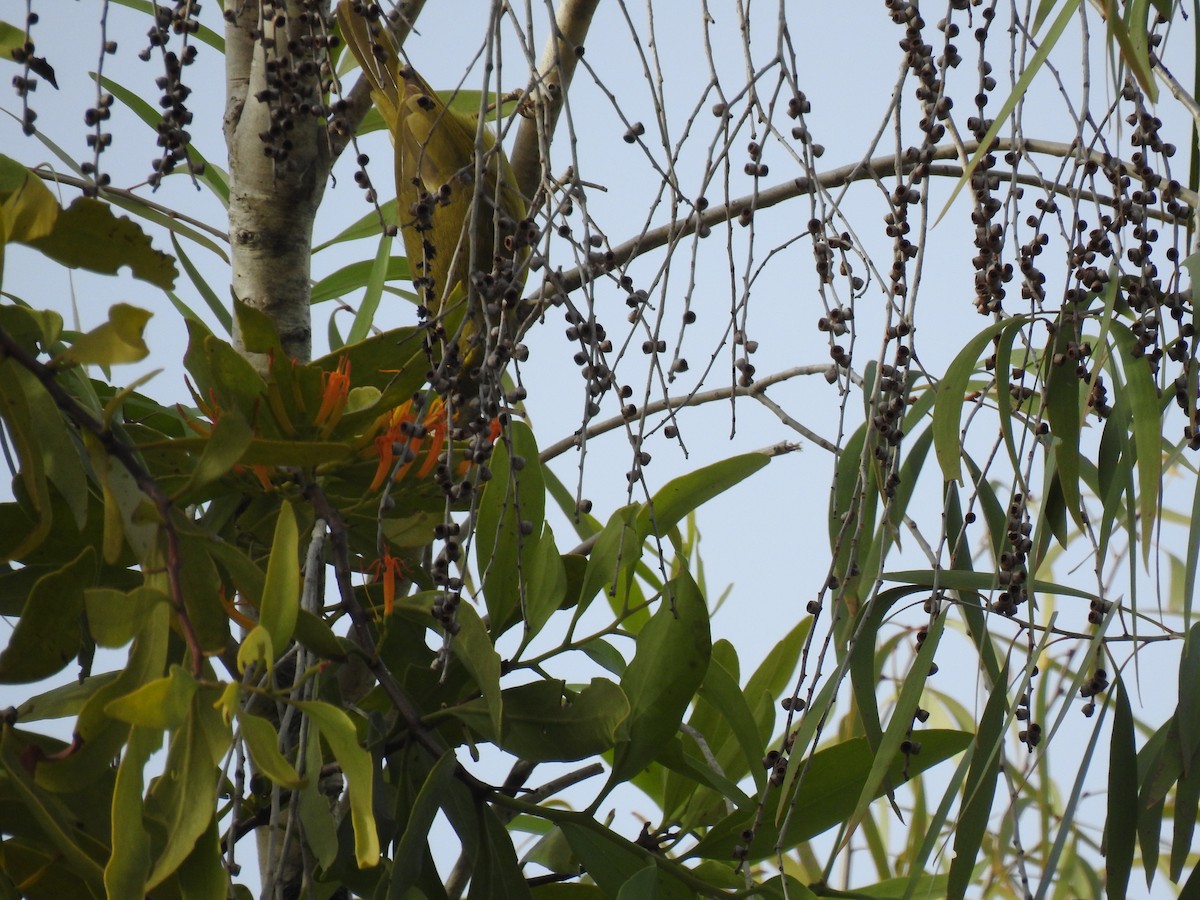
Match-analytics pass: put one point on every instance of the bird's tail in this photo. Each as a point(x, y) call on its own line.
point(374, 48)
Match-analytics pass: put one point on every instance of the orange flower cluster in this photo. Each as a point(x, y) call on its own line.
point(424, 441)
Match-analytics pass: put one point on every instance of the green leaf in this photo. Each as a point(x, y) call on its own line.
point(612, 862)
point(47, 636)
point(223, 449)
point(129, 865)
point(473, 647)
point(1121, 823)
point(511, 516)
point(338, 731)
point(119, 340)
point(263, 743)
point(357, 275)
point(980, 790)
point(1147, 431)
point(57, 826)
point(158, 705)
point(543, 721)
point(413, 846)
point(959, 580)
point(546, 585)
point(667, 669)
point(682, 495)
point(28, 210)
point(368, 226)
point(826, 795)
point(64, 700)
point(951, 394)
point(900, 725)
point(281, 592)
point(720, 689)
point(617, 549)
point(87, 235)
point(182, 799)
point(365, 315)
point(1062, 392)
point(29, 519)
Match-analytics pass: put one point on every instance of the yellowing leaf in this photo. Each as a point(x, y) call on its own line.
point(119, 340)
point(256, 647)
point(338, 730)
point(263, 743)
point(281, 595)
point(161, 704)
point(28, 210)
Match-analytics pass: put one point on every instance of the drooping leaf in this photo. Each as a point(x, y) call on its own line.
point(338, 731)
point(48, 636)
point(473, 647)
point(670, 663)
point(159, 705)
point(263, 743)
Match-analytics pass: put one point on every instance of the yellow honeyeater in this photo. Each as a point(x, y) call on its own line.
point(462, 218)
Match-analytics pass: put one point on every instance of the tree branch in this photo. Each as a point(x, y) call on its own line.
point(555, 70)
point(870, 169)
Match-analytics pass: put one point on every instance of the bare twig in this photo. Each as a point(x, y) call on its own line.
point(693, 399)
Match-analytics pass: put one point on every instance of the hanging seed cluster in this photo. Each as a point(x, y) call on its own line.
point(295, 40)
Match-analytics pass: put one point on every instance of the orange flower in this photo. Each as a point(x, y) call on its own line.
point(387, 570)
point(333, 398)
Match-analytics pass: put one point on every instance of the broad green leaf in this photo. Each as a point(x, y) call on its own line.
point(159, 705)
point(616, 550)
point(666, 671)
point(413, 846)
point(263, 743)
point(496, 873)
point(129, 865)
point(47, 636)
point(473, 647)
point(256, 647)
point(338, 731)
point(29, 520)
point(827, 794)
point(510, 522)
point(64, 700)
point(680, 496)
point(57, 825)
point(641, 885)
point(546, 585)
point(87, 235)
point(183, 799)
point(543, 721)
point(611, 861)
point(28, 211)
point(721, 690)
point(119, 340)
point(223, 449)
point(281, 592)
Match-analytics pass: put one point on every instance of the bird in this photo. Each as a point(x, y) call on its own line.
point(463, 221)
